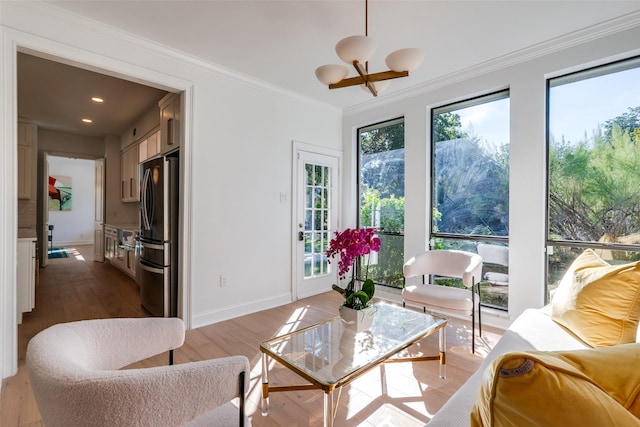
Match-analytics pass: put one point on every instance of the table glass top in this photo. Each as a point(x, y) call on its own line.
point(333, 350)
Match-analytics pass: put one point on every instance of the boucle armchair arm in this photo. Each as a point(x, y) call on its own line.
point(111, 343)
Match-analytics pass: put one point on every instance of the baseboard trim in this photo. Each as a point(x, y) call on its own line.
point(230, 312)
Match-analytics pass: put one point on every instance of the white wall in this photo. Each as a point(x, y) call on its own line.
point(236, 155)
point(70, 145)
point(74, 227)
point(525, 75)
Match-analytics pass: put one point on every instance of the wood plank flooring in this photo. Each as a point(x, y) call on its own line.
point(400, 394)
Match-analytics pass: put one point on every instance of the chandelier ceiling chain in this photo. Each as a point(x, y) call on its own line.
point(357, 50)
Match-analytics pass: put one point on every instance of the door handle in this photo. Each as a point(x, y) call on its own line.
point(301, 235)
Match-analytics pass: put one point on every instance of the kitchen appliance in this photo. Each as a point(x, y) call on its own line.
point(158, 237)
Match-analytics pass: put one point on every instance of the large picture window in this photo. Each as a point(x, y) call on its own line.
point(381, 196)
point(594, 166)
point(470, 186)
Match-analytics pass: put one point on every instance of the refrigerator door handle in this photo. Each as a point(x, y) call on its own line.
point(146, 267)
point(146, 223)
point(153, 245)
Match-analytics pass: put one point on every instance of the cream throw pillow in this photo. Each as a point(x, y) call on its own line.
point(599, 302)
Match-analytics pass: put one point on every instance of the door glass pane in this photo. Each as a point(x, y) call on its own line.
point(316, 231)
point(381, 198)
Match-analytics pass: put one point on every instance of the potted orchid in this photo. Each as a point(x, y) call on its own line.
point(349, 245)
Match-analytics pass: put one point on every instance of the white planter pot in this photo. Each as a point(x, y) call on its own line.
point(360, 320)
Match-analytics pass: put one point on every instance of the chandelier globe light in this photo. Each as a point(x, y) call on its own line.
point(331, 73)
point(357, 51)
point(408, 59)
point(356, 48)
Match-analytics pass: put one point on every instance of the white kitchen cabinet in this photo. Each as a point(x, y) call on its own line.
point(110, 242)
point(27, 152)
point(149, 147)
point(26, 276)
point(130, 181)
point(120, 249)
point(170, 122)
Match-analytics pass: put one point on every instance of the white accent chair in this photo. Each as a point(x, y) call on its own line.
point(446, 299)
point(77, 381)
point(498, 255)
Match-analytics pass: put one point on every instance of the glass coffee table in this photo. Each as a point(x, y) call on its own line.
point(333, 353)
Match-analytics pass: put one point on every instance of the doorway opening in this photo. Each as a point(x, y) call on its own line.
point(70, 204)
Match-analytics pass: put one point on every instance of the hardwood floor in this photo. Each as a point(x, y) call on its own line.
point(400, 394)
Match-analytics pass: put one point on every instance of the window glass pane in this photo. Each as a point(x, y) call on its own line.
point(309, 169)
point(381, 197)
point(470, 186)
point(307, 243)
point(318, 175)
point(317, 242)
point(594, 166)
point(307, 219)
point(594, 159)
point(307, 265)
point(559, 258)
point(471, 168)
point(494, 284)
point(308, 197)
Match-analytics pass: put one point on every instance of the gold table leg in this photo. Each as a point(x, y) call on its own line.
point(264, 403)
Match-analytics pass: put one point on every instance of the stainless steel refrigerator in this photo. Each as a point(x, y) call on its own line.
point(158, 238)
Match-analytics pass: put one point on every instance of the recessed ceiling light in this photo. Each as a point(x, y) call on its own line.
point(97, 99)
point(87, 120)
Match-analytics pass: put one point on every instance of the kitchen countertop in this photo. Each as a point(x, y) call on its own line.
point(129, 227)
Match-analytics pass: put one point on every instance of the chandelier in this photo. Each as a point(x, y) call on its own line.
point(356, 51)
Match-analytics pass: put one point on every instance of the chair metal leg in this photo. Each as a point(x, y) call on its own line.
point(242, 397)
point(479, 314)
point(473, 318)
point(473, 331)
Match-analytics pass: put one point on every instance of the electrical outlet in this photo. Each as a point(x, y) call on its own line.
point(223, 280)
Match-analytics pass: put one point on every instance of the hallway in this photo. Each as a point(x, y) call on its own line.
point(78, 288)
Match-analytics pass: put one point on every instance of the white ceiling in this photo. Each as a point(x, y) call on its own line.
point(282, 42)
point(57, 96)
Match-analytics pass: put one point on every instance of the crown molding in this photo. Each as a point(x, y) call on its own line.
point(575, 38)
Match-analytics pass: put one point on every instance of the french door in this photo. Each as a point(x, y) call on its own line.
point(316, 191)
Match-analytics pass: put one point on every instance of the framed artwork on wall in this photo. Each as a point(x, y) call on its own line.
point(60, 193)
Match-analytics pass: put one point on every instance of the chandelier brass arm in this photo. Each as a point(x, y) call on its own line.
point(363, 78)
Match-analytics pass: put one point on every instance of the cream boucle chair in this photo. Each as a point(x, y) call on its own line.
point(76, 377)
point(446, 299)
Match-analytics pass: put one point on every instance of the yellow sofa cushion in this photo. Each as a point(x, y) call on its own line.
point(599, 302)
point(595, 387)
